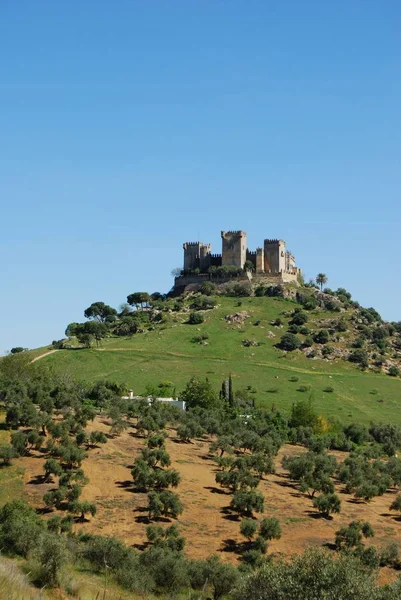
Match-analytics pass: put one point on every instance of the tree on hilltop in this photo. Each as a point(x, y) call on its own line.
point(138, 299)
point(321, 279)
point(99, 311)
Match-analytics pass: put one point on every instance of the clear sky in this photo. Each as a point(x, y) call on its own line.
point(128, 127)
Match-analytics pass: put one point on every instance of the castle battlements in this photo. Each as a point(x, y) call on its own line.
point(272, 258)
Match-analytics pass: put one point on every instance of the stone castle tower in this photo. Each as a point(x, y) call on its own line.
point(272, 258)
point(234, 247)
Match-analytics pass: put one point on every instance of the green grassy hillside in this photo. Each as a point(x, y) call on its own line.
point(168, 352)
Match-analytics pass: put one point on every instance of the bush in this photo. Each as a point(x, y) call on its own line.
point(7, 453)
point(167, 568)
point(50, 556)
point(275, 291)
point(299, 317)
point(316, 574)
point(332, 305)
point(321, 337)
point(389, 555)
point(303, 413)
point(198, 339)
point(196, 318)
point(101, 550)
point(20, 527)
point(289, 342)
point(327, 350)
point(394, 371)
point(308, 300)
point(203, 303)
point(303, 388)
point(360, 357)
point(208, 288)
point(260, 291)
point(341, 325)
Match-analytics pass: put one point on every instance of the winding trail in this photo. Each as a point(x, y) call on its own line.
point(43, 355)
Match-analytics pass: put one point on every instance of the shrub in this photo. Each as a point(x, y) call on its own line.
point(50, 555)
point(208, 288)
point(321, 337)
point(275, 291)
point(308, 300)
point(238, 290)
point(341, 325)
point(289, 342)
point(394, 371)
point(7, 453)
point(101, 550)
point(221, 576)
point(327, 350)
point(198, 339)
point(303, 413)
point(196, 318)
point(299, 317)
point(316, 574)
point(332, 305)
point(20, 527)
point(308, 341)
point(389, 555)
point(303, 388)
point(203, 303)
point(360, 357)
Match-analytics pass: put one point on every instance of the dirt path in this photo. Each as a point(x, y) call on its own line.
point(43, 355)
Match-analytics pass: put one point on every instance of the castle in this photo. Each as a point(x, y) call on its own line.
point(270, 262)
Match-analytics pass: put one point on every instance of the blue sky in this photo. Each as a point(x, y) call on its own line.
point(129, 127)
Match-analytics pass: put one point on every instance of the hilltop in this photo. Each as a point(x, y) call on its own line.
point(348, 358)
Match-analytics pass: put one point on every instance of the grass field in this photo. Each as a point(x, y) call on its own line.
point(167, 353)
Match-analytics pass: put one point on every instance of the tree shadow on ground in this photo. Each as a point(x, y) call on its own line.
point(229, 515)
point(215, 490)
point(45, 510)
point(312, 514)
point(40, 479)
point(330, 546)
point(230, 545)
point(141, 547)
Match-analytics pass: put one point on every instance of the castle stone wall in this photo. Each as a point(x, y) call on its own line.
point(265, 278)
